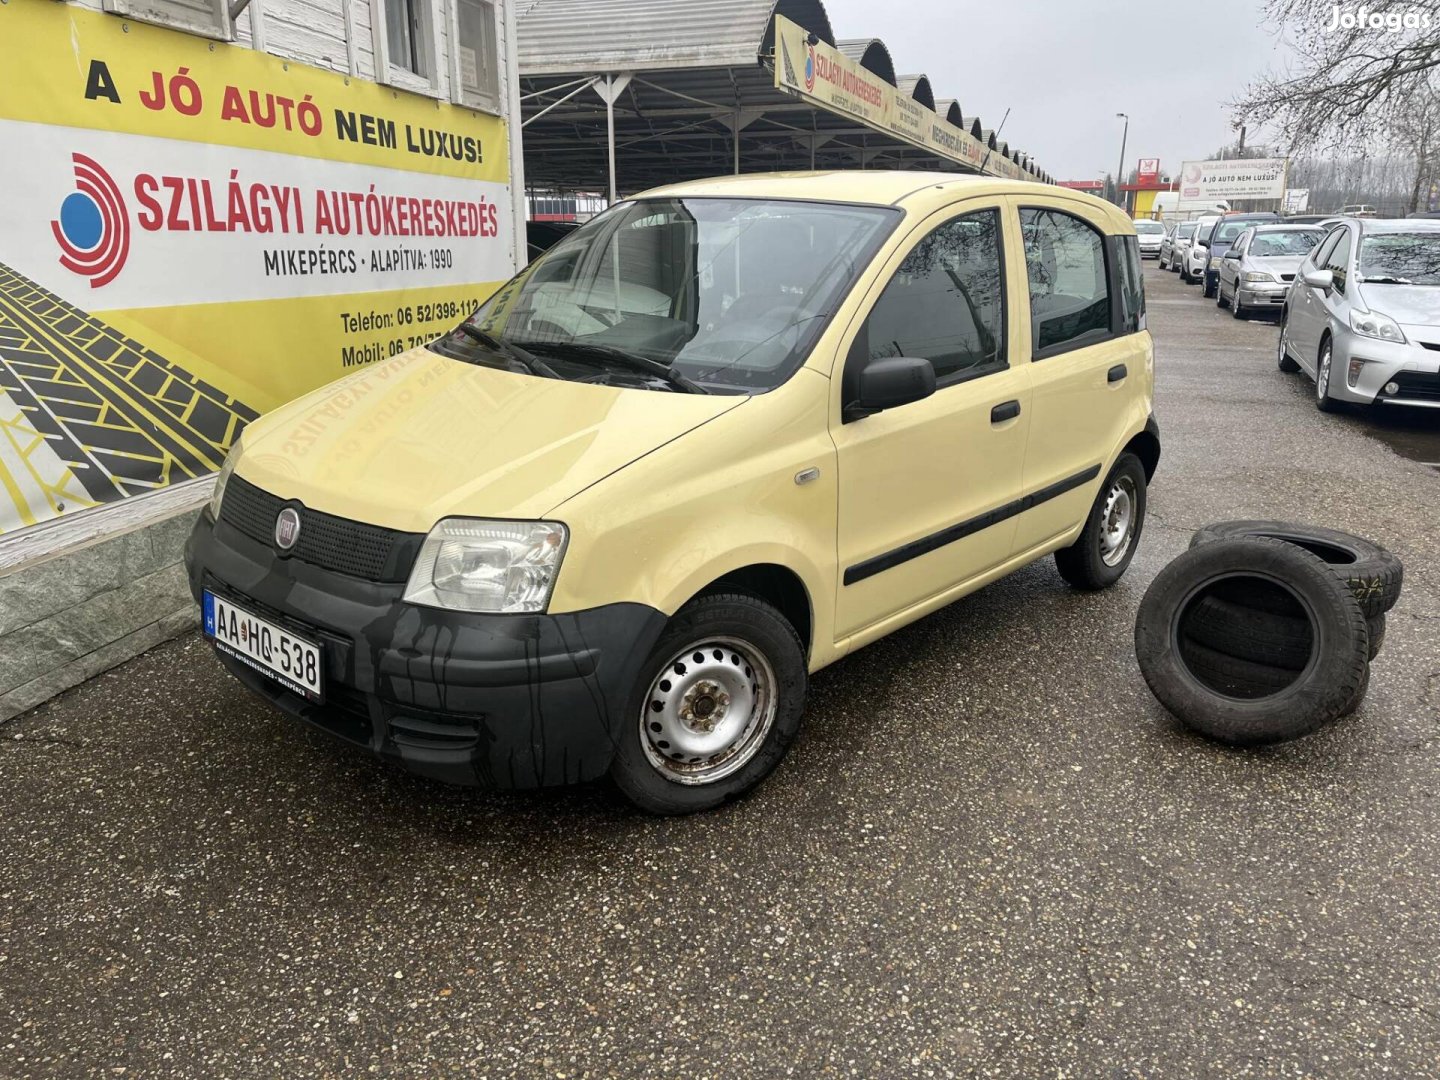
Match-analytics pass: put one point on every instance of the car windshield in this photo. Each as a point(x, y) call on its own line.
point(1298, 242)
point(1149, 227)
point(702, 295)
point(1227, 231)
point(1401, 258)
point(1185, 229)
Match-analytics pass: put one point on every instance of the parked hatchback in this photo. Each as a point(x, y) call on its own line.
point(1363, 316)
point(1150, 234)
point(1172, 248)
point(710, 442)
point(1257, 269)
point(1196, 253)
point(1221, 237)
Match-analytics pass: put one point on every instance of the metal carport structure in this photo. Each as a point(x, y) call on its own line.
point(628, 94)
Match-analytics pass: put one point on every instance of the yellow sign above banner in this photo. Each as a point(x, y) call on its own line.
point(821, 73)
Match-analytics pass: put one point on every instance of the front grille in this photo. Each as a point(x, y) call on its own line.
point(1287, 277)
point(1431, 345)
point(329, 542)
point(1417, 386)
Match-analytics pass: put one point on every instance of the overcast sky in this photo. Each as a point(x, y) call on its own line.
point(1064, 69)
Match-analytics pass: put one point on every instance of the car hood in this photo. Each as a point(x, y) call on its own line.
point(1409, 305)
point(421, 437)
point(1276, 264)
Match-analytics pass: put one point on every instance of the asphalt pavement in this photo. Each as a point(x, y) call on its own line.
point(991, 853)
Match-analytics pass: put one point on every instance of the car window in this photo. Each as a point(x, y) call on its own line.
point(1327, 246)
point(1400, 258)
point(1185, 229)
point(1149, 227)
point(1268, 244)
point(1069, 287)
point(1203, 231)
point(1339, 259)
point(1132, 286)
point(1241, 242)
point(946, 302)
point(1226, 231)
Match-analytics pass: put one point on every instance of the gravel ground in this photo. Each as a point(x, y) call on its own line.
point(991, 853)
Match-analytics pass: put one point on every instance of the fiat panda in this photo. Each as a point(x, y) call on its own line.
point(717, 438)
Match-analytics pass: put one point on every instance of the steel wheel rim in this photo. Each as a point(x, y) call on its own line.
point(708, 711)
point(1117, 520)
point(1322, 378)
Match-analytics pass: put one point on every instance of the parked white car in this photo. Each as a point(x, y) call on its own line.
point(1177, 239)
point(1197, 252)
point(1150, 234)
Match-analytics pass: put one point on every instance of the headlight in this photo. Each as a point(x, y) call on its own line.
point(222, 478)
point(1256, 275)
point(473, 564)
point(1373, 324)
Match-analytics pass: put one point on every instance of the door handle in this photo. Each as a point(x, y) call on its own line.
point(1006, 410)
point(1116, 373)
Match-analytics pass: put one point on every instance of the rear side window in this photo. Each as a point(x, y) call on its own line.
point(946, 303)
point(1132, 286)
point(1069, 285)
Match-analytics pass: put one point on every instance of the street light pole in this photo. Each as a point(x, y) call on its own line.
point(1120, 174)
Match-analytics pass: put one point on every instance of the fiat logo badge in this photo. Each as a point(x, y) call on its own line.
point(287, 528)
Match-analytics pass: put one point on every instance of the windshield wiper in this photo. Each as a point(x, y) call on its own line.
point(528, 360)
point(1386, 279)
point(633, 361)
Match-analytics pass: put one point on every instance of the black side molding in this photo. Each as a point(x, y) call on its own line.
point(951, 533)
point(1116, 373)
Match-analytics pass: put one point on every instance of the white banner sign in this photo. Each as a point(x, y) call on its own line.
point(1297, 200)
point(1204, 183)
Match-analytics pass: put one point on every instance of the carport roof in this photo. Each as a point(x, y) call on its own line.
point(567, 36)
point(693, 83)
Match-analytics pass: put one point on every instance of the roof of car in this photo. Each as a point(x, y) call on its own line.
point(1286, 226)
point(879, 187)
point(1374, 225)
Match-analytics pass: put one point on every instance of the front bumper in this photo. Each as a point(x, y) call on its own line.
point(1413, 368)
point(1263, 293)
point(500, 701)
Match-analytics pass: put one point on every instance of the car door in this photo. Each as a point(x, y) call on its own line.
point(1086, 357)
point(1304, 317)
point(1323, 306)
point(921, 485)
point(1230, 265)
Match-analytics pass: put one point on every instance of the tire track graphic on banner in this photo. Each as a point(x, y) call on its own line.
point(124, 418)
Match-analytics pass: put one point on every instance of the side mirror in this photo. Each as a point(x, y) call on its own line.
point(1232, 254)
point(1320, 279)
point(889, 382)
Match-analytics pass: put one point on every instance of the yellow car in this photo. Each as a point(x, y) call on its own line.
point(719, 437)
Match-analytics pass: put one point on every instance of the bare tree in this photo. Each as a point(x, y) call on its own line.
point(1415, 133)
point(1345, 81)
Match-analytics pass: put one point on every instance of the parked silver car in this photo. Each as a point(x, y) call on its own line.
point(1362, 316)
point(1257, 269)
point(1172, 248)
point(1149, 234)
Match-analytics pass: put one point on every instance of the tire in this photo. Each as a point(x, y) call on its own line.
point(1264, 637)
point(1323, 401)
point(1184, 274)
point(1218, 703)
point(1103, 550)
point(1373, 574)
point(1245, 676)
point(1220, 301)
point(742, 641)
point(1237, 309)
point(1205, 290)
point(1283, 360)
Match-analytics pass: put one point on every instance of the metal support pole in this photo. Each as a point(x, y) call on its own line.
point(1120, 173)
point(610, 88)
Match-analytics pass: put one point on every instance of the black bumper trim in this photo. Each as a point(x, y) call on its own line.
point(503, 701)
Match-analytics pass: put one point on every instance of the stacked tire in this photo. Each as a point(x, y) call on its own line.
point(1264, 631)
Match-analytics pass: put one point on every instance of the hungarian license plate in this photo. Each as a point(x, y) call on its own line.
point(292, 661)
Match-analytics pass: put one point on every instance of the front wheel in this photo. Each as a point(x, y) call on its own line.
point(1205, 290)
point(1283, 359)
point(716, 705)
point(1323, 401)
point(1102, 552)
point(1237, 309)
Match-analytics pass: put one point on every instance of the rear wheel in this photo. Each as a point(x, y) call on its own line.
point(716, 706)
point(1102, 552)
